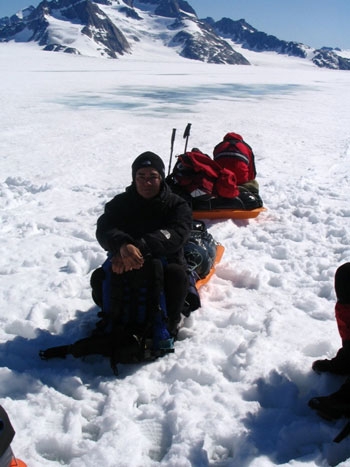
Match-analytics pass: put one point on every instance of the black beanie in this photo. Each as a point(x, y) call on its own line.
point(148, 159)
point(342, 283)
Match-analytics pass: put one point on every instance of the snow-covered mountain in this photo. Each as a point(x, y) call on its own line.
point(71, 26)
point(111, 28)
point(250, 38)
point(240, 32)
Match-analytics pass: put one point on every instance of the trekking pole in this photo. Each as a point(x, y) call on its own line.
point(171, 149)
point(187, 134)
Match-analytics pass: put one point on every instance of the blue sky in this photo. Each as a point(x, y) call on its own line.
point(314, 22)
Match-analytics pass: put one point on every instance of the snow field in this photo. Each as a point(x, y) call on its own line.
point(235, 391)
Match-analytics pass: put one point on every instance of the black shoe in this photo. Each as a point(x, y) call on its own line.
point(339, 365)
point(335, 405)
point(174, 326)
point(55, 352)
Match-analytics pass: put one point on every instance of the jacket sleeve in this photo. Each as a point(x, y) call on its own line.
point(110, 237)
point(175, 232)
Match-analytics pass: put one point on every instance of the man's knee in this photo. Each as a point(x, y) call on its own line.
point(342, 283)
point(175, 274)
point(96, 282)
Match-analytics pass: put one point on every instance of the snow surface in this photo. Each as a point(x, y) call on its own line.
point(235, 391)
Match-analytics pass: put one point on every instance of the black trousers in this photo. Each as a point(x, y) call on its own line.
point(176, 286)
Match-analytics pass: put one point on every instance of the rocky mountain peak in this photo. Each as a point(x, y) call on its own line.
point(111, 28)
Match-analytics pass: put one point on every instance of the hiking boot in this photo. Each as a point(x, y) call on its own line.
point(335, 405)
point(339, 365)
point(55, 352)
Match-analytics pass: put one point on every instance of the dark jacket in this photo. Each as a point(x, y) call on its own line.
point(159, 226)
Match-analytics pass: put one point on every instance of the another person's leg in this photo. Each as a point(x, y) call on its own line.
point(340, 364)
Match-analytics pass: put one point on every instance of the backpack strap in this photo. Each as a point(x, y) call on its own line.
point(232, 154)
point(343, 434)
point(161, 336)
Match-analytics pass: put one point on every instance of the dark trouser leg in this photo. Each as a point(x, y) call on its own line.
point(342, 283)
point(335, 405)
point(340, 364)
point(176, 289)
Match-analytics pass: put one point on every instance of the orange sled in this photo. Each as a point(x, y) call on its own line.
point(227, 214)
point(17, 463)
point(219, 253)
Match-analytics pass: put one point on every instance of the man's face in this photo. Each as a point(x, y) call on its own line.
point(147, 182)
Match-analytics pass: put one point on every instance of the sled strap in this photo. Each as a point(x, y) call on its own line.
point(87, 346)
point(343, 434)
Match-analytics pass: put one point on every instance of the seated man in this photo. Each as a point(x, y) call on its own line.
point(148, 220)
point(143, 285)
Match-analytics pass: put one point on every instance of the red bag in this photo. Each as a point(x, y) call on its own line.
point(202, 177)
point(236, 155)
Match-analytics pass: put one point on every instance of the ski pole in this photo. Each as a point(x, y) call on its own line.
point(187, 134)
point(171, 149)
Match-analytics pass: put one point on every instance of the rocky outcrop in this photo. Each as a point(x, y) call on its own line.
point(206, 46)
point(327, 58)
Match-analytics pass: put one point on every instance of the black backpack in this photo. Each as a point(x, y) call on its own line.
point(7, 434)
point(200, 250)
point(132, 325)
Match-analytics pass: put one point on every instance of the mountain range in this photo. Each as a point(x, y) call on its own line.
point(112, 28)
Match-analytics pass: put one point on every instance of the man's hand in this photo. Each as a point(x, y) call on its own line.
point(117, 264)
point(130, 258)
